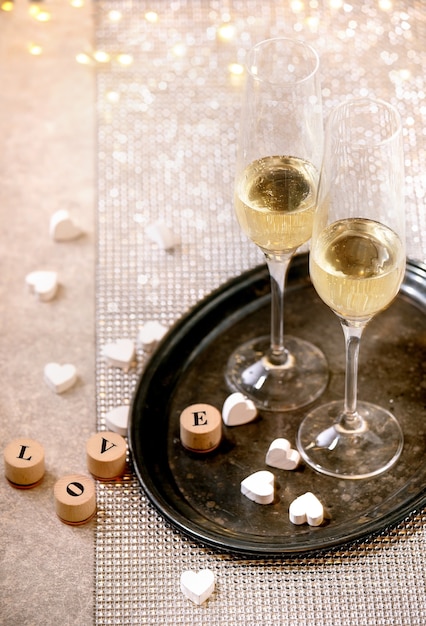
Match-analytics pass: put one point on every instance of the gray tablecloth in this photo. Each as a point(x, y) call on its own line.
point(168, 107)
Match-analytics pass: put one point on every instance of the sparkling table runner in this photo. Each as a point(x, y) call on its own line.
point(168, 95)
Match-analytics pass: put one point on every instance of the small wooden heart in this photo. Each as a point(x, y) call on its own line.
point(306, 509)
point(281, 455)
point(117, 419)
point(197, 586)
point(62, 227)
point(259, 487)
point(150, 334)
point(60, 377)
point(238, 410)
point(120, 353)
point(161, 234)
point(43, 283)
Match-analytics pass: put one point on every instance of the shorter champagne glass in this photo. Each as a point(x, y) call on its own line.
point(357, 263)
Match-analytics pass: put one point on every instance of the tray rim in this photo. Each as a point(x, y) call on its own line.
point(415, 275)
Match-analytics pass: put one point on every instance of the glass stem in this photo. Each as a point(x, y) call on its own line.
point(278, 267)
point(351, 420)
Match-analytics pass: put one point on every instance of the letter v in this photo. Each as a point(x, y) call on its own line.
point(104, 445)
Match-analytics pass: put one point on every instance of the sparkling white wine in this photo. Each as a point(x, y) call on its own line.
point(357, 266)
point(275, 202)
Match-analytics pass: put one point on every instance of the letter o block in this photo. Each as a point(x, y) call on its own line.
point(200, 427)
point(106, 455)
point(24, 462)
point(75, 499)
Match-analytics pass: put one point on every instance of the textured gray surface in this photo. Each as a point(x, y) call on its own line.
point(46, 163)
point(161, 152)
point(167, 133)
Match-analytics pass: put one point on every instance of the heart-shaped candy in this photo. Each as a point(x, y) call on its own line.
point(150, 334)
point(120, 353)
point(281, 455)
point(162, 235)
point(44, 283)
point(62, 228)
point(197, 586)
point(259, 487)
point(117, 419)
point(60, 377)
point(306, 508)
point(238, 410)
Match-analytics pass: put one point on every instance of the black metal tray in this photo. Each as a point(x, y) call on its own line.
point(200, 494)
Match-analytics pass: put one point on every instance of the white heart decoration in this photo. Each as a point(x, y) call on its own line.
point(44, 283)
point(60, 377)
point(120, 353)
point(162, 235)
point(238, 410)
point(281, 455)
point(62, 228)
point(197, 586)
point(150, 334)
point(117, 419)
point(306, 508)
point(259, 487)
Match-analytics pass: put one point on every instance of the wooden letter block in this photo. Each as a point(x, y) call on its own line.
point(75, 499)
point(106, 455)
point(24, 462)
point(200, 427)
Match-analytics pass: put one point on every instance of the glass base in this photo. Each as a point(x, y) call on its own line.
point(370, 450)
point(278, 388)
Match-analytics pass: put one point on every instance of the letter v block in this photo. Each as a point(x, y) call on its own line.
point(106, 455)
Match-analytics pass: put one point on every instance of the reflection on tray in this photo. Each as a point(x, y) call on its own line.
point(201, 494)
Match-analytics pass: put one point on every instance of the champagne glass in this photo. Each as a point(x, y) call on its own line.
point(279, 155)
point(357, 264)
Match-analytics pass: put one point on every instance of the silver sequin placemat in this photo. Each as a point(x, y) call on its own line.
point(168, 97)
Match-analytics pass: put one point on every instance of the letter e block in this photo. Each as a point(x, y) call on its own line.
point(200, 427)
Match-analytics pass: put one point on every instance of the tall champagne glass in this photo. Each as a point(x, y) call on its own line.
point(357, 264)
point(279, 155)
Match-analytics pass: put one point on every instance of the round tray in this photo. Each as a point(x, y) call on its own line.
point(200, 494)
